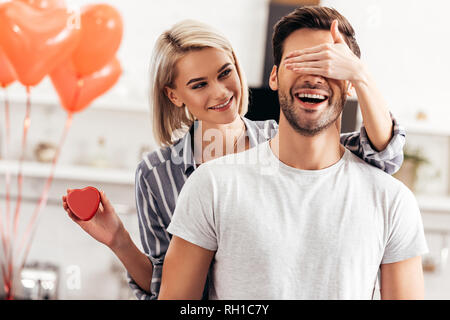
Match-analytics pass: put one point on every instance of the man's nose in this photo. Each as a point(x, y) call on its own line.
point(313, 79)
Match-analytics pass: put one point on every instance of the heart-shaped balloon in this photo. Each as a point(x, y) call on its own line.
point(45, 4)
point(36, 41)
point(7, 73)
point(84, 202)
point(76, 93)
point(101, 34)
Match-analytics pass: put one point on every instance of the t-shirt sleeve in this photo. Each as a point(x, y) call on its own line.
point(193, 219)
point(406, 237)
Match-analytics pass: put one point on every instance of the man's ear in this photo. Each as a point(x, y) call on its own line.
point(273, 79)
point(173, 97)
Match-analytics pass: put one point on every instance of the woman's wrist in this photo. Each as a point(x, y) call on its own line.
point(121, 240)
point(362, 76)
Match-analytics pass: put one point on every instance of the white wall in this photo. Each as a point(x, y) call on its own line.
point(405, 44)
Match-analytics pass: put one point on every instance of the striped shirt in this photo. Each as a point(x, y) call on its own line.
point(162, 173)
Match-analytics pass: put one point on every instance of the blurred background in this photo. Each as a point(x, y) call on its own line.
point(403, 42)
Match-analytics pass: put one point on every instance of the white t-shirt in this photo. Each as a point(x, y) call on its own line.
point(284, 233)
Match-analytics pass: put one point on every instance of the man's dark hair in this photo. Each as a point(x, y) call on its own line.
point(311, 17)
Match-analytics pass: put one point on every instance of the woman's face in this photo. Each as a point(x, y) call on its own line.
point(208, 84)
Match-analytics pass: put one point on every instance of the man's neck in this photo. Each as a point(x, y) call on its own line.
point(304, 152)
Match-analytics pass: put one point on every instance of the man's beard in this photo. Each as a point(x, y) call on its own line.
point(307, 127)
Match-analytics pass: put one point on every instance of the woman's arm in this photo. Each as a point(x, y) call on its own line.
point(107, 228)
point(389, 160)
point(138, 265)
point(153, 223)
point(376, 117)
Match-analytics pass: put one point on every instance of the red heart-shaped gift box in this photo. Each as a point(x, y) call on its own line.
point(84, 202)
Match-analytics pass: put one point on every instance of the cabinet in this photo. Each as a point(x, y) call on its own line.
point(433, 197)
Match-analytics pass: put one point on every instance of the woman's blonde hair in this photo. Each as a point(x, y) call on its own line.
point(173, 44)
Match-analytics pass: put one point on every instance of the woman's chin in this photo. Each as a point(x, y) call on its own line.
point(225, 117)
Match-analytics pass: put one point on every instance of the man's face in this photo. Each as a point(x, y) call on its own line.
point(310, 103)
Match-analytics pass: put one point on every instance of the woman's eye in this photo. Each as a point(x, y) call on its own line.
point(199, 85)
point(225, 73)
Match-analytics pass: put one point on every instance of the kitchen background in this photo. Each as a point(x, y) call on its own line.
point(403, 42)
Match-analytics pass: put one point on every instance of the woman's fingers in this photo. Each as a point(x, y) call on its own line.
point(335, 33)
point(64, 202)
point(105, 202)
point(69, 212)
point(321, 68)
point(315, 71)
point(74, 217)
point(316, 49)
point(323, 55)
point(312, 64)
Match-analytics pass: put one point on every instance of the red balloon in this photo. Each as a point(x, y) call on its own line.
point(7, 73)
point(35, 41)
point(76, 93)
point(45, 4)
point(101, 34)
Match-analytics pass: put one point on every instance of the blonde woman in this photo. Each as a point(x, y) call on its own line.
point(199, 96)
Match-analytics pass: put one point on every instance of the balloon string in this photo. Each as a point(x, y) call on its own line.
point(31, 227)
point(3, 233)
point(43, 201)
point(26, 125)
point(6, 152)
point(7, 172)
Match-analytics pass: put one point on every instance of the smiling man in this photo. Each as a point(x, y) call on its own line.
point(322, 224)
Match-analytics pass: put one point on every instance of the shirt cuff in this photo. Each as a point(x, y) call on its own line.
point(155, 284)
point(392, 150)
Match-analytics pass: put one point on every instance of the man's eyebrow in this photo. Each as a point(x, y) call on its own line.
point(203, 78)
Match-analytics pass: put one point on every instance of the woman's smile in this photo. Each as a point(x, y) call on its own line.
point(223, 106)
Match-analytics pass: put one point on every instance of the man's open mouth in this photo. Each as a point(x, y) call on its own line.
point(312, 99)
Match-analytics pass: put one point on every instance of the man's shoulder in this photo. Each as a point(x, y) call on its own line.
point(377, 178)
point(237, 160)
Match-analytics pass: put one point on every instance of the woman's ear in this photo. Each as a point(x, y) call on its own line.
point(273, 79)
point(173, 97)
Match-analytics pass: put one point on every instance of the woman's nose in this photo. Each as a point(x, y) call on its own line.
point(220, 92)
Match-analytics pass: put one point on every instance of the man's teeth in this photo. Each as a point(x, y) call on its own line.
point(311, 96)
point(222, 105)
